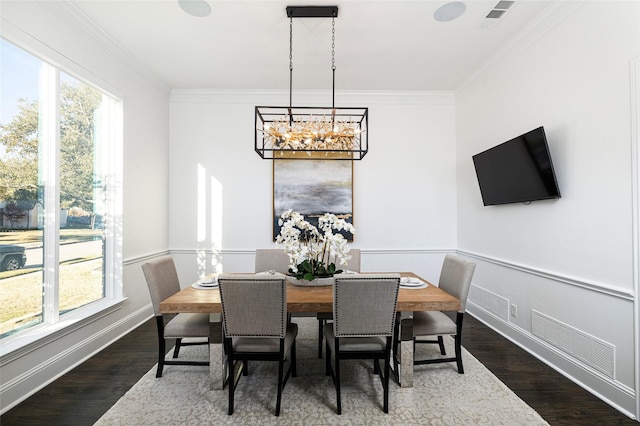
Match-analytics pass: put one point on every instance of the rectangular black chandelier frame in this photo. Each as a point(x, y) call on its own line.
point(268, 148)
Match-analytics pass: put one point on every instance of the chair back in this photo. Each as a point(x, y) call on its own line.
point(253, 305)
point(272, 259)
point(365, 304)
point(353, 264)
point(455, 278)
point(162, 280)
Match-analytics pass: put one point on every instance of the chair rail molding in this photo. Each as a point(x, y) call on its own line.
point(566, 279)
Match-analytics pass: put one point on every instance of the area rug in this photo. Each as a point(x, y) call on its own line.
point(440, 395)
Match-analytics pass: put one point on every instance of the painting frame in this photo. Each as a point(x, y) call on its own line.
point(312, 187)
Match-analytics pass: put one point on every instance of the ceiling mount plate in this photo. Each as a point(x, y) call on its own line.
point(312, 11)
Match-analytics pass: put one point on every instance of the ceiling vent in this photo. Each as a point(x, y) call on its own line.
point(496, 14)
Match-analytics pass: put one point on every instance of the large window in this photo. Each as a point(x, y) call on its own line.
point(59, 197)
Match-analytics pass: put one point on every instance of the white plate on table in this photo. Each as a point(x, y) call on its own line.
point(412, 283)
point(414, 287)
point(206, 282)
point(201, 286)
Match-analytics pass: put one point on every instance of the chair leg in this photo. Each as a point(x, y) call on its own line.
point(320, 327)
point(161, 345)
point(385, 406)
point(327, 365)
point(232, 381)
point(161, 355)
point(338, 397)
point(458, 347)
point(441, 344)
point(245, 368)
point(294, 371)
point(280, 374)
point(458, 342)
point(176, 349)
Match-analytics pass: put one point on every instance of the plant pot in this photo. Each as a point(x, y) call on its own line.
point(313, 283)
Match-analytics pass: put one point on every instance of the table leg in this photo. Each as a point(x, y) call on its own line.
point(405, 375)
point(217, 364)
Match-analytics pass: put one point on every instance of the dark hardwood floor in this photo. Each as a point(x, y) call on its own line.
point(81, 396)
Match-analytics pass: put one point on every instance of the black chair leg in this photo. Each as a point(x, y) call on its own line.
point(320, 327)
point(458, 341)
point(338, 397)
point(441, 344)
point(161, 355)
point(327, 365)
point(294, 371)
point(280, 374)
point(231, 383)
point(176, 349)
point(458, 347)
point(385, 406)
point(161, 345)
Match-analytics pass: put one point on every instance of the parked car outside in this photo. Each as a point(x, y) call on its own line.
point(12, 257)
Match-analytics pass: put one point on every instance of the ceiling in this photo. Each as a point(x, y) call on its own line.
point(243, 44)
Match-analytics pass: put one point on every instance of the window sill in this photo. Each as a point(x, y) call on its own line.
point(15, 346)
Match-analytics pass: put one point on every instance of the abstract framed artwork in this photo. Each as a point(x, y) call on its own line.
point(313, 188)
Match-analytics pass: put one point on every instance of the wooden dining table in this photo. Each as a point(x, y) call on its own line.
point(312, 299)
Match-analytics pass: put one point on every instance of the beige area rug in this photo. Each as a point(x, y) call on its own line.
point(440, 395)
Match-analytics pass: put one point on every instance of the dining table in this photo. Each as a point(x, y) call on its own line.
point(313, 299)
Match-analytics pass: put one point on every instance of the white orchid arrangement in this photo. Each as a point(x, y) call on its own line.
point(310, 250)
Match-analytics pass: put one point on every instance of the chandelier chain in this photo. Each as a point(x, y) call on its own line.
point(333, 44)
point(290, 62)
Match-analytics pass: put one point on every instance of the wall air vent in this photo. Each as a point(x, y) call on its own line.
point(496, 14)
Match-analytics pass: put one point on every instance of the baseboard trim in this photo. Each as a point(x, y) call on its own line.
point(21, 385)
point(559, 361)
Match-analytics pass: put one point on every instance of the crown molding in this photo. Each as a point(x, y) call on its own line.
point(552, 16)
point(71, 13)
point(312, 97)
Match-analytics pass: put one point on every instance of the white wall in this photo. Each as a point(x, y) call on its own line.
point(404, 189)
point(570, 259)
point(146, 134)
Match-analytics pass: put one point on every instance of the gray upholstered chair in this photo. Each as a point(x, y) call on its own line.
point(254, 318)
point(162, 280)
point(455, 279)
point(353, 265)
point(364, 310)
point(272, 260)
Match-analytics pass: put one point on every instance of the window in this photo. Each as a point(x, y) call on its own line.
point(60, 138)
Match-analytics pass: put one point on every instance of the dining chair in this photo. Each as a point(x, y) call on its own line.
point(162, 280)
point(364, 309)
point(254, 318)
point(273, 259)
point(353, 265)
point(455, 279)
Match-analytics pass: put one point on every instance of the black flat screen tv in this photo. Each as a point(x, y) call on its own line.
point(517, 171)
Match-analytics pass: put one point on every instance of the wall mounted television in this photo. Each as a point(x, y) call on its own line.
point(517, 171)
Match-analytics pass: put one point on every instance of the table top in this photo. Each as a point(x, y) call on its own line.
point(313, 299)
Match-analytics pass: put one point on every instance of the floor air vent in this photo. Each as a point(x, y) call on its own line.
point(594, 352)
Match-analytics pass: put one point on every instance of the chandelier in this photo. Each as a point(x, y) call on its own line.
point(307, 132)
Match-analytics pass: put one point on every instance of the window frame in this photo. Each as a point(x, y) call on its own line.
point(56, 325)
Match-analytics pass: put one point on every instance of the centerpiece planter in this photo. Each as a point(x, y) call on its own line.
point(316, 282)
point(313, 253)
